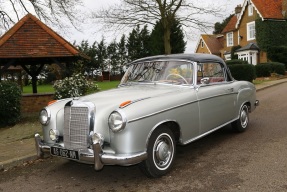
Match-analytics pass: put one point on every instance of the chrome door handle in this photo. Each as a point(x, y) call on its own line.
point(230, 90)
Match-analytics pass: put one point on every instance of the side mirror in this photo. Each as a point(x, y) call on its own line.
point(205, 80)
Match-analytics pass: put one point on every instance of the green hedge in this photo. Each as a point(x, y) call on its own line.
point(236, 61)
point(10, 97)
point(244, 72)
point(265, 69)
point(278, 54)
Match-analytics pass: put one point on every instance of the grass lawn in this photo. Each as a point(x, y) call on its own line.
point(40, 89)
point(49, 88)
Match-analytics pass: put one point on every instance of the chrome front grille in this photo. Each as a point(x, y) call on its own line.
point(76, 127)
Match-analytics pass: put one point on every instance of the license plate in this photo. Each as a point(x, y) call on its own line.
point(66, 153)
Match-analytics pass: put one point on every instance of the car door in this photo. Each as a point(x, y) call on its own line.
point(216, 97)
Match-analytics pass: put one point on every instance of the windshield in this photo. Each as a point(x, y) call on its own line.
point(168, 72)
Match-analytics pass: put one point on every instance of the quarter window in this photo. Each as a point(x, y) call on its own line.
point(251, 31)
point(229, 37)
point(213, 71)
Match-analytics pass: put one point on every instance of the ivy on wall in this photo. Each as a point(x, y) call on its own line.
point(270, 33)
point(271, 37)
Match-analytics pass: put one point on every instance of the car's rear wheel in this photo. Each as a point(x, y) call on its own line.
point(241, 124)
point(161, 153)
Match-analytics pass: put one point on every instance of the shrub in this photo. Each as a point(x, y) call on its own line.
point(244, 72)
point(74, 86)
point(278, 54)
point(10, 97)
point(265, 69)
point(235, 61)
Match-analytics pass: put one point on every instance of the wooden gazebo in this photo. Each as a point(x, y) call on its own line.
point(31, 44)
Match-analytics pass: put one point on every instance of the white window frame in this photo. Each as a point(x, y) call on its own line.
point(202, 44)
point(229, 39)
point(227, 57)
point(250, 35)
point(250, 9)
point(250, 56)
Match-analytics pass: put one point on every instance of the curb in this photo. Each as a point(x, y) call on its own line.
point(271, 85)
point(5, 165)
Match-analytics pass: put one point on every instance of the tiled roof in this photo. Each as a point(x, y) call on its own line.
point(213, 43)
point(30, 38)
point(269, 9)
point(230, 25)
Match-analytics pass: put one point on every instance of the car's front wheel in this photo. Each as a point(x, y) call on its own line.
point(161, 153)
point(241, 124)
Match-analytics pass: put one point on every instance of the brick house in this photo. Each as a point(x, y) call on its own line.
point(240, 31)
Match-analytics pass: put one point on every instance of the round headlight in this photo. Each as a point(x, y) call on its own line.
point(44, 117)
point(116, 121)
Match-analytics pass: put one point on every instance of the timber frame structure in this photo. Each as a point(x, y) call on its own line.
point(31, 44)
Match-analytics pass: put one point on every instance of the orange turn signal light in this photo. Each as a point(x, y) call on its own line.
point(51, 102)
point(125, 103)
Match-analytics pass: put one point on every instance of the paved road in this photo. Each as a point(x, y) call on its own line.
point(223, 161)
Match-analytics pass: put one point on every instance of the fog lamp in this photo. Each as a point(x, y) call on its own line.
point(54, 134)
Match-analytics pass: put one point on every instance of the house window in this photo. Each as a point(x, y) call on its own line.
point(202, 44)
point(229, 39)
point(250, 10)
point(249, 56)
point(250, 31)
point(227, 57)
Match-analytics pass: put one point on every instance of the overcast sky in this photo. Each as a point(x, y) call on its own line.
point(92, 34)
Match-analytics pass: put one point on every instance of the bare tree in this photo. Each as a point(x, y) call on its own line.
point(129, 13)
point(55, 12)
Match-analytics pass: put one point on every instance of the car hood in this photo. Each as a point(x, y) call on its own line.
point(114, 97)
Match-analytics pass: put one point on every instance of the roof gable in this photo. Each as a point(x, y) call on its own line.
point(266, 9)
point(269, 9)
point(31, 38)
point(212, 43)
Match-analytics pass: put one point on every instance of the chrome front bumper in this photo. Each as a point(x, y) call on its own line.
point(95, 156)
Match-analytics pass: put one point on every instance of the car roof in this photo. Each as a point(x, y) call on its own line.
point(197, 57)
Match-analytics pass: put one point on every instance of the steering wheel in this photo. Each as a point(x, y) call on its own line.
point(174, 74)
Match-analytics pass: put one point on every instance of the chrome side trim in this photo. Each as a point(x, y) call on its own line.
point(184, 104)
point(161, 111)
point(206, 133)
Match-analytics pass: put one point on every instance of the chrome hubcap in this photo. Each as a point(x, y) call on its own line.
point(244, 117)
point(163, 151)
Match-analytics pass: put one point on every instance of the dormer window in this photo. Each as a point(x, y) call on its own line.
point(250, 9)
point(202, 44)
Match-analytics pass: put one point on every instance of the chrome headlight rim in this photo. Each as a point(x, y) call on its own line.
point(122, 118)
point(45, 112)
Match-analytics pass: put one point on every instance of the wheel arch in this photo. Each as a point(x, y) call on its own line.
point(171, 124)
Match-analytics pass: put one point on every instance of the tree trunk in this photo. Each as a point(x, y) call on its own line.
point(166, 37)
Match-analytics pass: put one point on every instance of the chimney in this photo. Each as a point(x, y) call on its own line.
point(238, 9)
point(284, 9)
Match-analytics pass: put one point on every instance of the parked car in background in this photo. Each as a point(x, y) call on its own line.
point(161, 102)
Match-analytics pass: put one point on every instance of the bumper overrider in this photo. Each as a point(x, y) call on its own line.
point(95, 156)
point(256, 103)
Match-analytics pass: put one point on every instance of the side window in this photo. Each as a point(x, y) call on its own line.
point(212, 72)
point(181, 71)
